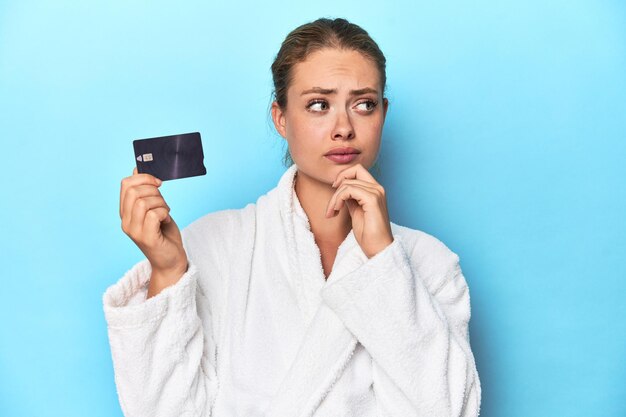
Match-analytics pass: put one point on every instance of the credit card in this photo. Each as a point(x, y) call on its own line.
point(170, 157)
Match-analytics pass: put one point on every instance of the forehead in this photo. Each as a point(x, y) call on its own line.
point(335, 68)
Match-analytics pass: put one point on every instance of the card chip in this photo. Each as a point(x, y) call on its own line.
point(147, 157)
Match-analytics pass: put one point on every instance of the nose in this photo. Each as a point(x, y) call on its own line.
point(343, 129)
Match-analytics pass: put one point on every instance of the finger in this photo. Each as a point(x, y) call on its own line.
point(152, 223)
point(364, 196)
point(372, 185)
point(122, 191)
point(135, 180)
point(368, 185)
point(140, 208)
point(352, 205)
point(130, 198)
point(359, 194)
point(132, 194)
point(357, 171)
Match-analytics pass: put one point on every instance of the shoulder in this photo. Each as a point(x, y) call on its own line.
point(220, 229)
point(230, 223)
point(216, 243)
point(435, 262)
point(229, 231)
point(220, 222)
point(421, 244)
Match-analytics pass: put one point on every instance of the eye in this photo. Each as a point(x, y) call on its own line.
point(317, 105)
point(367, 105)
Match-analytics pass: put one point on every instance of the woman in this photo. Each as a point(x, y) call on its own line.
point(309, 302)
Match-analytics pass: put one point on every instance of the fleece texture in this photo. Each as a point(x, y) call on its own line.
point(254, 329)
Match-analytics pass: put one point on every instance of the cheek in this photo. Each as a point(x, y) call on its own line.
point(370, 133)
point(305, 133)
point(371, 129)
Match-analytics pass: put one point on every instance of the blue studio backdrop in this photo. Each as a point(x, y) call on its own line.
point(505, 138)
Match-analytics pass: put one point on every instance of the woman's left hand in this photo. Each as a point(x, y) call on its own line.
point(367, 205)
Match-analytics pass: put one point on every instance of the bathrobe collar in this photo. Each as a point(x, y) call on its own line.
point(307, 275)
point(327, 345)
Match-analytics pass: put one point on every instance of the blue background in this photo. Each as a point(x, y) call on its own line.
point(505, 138)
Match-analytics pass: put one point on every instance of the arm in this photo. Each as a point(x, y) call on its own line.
point(418, 340)
point(163, 353)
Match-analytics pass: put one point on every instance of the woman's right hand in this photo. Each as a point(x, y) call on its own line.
point(146, 220)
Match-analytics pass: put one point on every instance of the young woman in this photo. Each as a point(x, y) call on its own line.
point(309, 302)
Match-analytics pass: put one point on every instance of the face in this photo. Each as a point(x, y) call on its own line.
point(334, 101)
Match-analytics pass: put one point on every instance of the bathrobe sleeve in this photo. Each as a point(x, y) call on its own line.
point(416, 334)
point(163, 358)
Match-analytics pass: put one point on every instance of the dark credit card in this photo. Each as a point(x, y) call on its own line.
point(170, 157)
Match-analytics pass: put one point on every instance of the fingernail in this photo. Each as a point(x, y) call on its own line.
point(159, 182)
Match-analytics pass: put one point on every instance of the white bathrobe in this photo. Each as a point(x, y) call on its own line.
point(253, 328)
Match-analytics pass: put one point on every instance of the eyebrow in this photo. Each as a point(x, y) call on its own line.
point(320, 90)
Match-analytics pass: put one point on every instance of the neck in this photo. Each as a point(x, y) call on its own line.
point(314, 196)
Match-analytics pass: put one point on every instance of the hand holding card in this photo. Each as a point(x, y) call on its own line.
point(147, 221)
point(170, 157)
point(146, 216)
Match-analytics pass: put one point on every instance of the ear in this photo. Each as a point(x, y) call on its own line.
point(385, 107)
point(278, 117)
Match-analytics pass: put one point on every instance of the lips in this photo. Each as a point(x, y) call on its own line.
point(342, 151)
point(342, 155)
